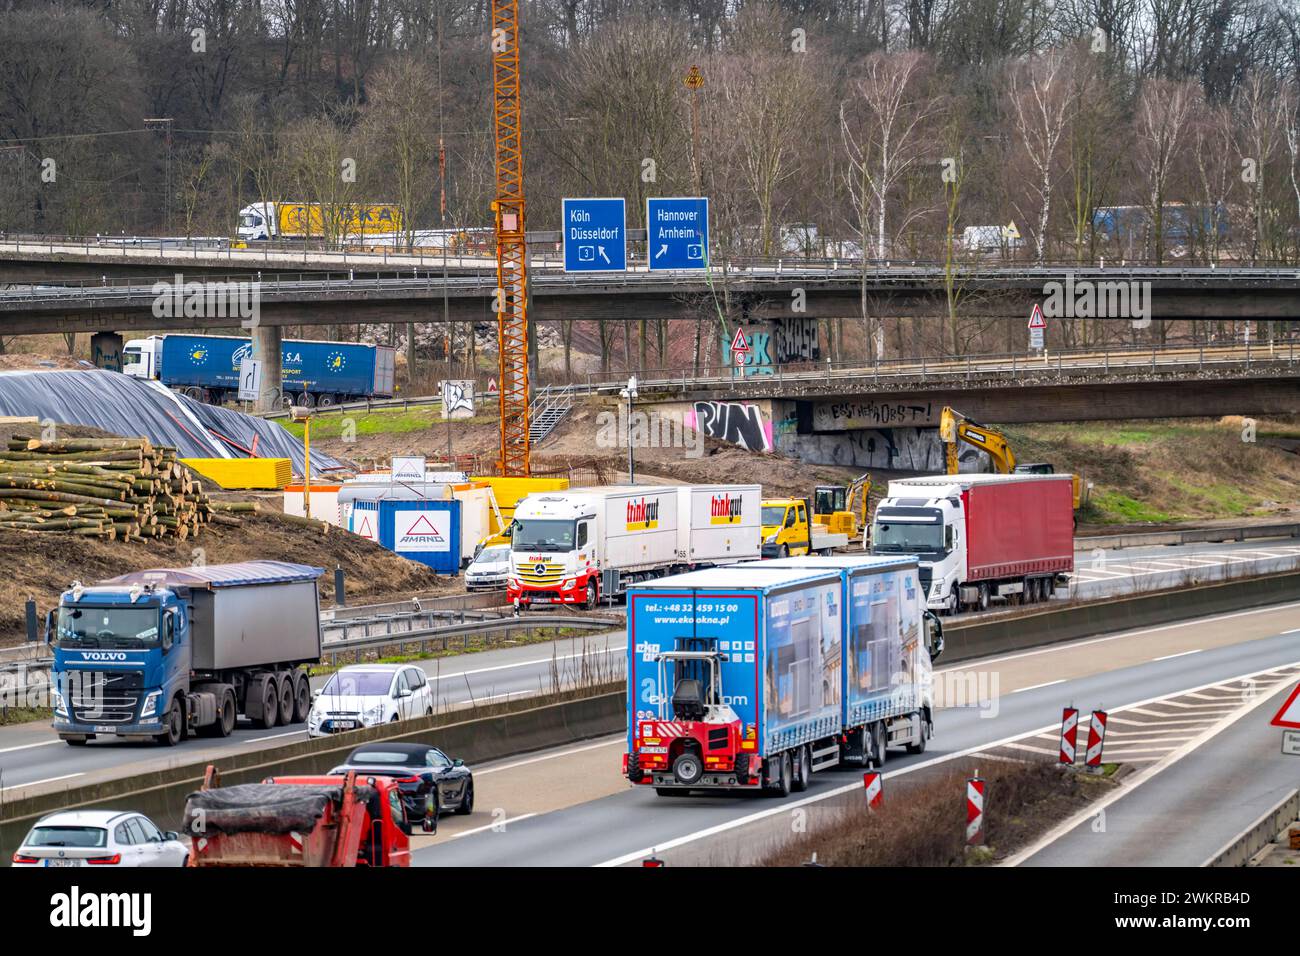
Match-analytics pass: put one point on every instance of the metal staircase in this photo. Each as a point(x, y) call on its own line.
point(548, 410)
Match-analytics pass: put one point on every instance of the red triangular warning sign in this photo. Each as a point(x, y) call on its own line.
point(492, 385)
point(365, 530)
point(739, 344)
point(1289, 715)
point(421, 525)
point(1036, 320)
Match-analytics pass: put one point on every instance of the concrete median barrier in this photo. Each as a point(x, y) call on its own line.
point(491, 732)
point(1014, 632)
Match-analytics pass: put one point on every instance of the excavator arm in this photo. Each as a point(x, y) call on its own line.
point(955, 427)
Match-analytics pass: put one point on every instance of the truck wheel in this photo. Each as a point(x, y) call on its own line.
point(270, 704)
point(326, 401)
point(784, 776)
point(954, 602)
point(76, 741)
point(984, 597)
point(803, 769)
point(224, 725)
point(286, 699)
point(591, 596)
point(174, 723)
point(301, 696)
point(783, 552)
point(879, 744)
point(919, 748)
point(688, 768)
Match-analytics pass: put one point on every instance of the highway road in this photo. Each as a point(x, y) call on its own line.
point(608, 822)
point(1183, 810)
point(32, 756)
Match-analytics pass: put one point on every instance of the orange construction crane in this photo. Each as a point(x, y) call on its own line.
point(511, 301)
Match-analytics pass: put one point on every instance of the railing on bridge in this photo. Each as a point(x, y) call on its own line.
point(1103, 359)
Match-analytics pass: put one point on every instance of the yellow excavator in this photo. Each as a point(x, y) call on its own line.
point(955, 427)
point(842, 508)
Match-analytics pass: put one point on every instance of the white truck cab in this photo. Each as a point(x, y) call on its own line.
point(257, 221)
point(928, 522)
point(142, 358)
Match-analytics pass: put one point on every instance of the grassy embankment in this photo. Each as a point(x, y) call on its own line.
point(1165, 471)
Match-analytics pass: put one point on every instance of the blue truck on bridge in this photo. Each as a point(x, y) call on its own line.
point(162, 653)
point(206, 368)
point(757, 675)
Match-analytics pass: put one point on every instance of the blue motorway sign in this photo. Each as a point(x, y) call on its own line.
point(677, 232)
point(595, 235)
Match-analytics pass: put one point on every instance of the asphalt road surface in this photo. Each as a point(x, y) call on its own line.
point(31, 754)
point(622, 824)
point(1188, 811)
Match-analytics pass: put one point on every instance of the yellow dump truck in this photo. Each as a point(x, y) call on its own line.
point(788, 531)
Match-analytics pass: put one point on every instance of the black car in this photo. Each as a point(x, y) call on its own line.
point(419, 769)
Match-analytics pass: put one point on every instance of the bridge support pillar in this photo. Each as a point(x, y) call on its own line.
point(267, 341)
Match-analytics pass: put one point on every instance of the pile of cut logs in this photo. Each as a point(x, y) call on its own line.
point(99, 487)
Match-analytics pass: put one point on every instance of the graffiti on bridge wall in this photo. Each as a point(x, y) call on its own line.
point(795, 340)
point(891, 449)
point(738, 423)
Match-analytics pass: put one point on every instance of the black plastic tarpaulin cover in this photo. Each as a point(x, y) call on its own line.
point(264, 807)
point(131, 407)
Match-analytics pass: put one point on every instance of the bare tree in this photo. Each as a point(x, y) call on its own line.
point(883, 124)
point(1041, 99)
point(1164, 111)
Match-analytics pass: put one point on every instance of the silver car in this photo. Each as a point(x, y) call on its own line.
point(100, 838)
point(490, 569)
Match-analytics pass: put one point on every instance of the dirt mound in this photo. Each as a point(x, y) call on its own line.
point(43, 565)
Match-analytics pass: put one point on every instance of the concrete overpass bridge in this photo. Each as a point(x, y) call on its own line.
point(886, 417)
point(754, 294)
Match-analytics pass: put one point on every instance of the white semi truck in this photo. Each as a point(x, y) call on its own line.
point(573, 547)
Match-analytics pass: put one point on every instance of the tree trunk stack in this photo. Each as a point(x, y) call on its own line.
point(99, 487)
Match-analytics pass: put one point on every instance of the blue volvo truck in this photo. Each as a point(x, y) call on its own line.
point(164, 653)
point(206, 368)
point(757, 675)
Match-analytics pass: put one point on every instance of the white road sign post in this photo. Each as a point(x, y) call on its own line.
point(1037, 327)
point(250, 379)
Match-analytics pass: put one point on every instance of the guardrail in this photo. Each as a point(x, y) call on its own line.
point(971, 639)
point(1107, 360)
point(1259, 834)
point(519, 725)
point(474, 734)
point(432, 639)
point(1143, 539)
point(356, 248)
point(748, 274)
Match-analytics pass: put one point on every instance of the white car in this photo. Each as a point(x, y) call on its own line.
point(100, 838)
point(367, 694)
point(489, 570)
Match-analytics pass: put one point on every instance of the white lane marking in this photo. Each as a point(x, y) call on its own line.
point(1294, 630)
point(1134, 782)
point(857, 786)
point(965, 665)
point(291, 733)
point(564, 753)
point(1164, 723)
point(1037, 750)
point(37, 783)
point(43, 743)
point(1170, 657)
point(1021, 690)
point(490, 826)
